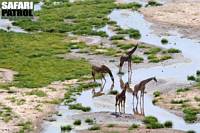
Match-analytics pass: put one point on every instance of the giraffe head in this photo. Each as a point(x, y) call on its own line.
point(126, 86)
point(154, 78)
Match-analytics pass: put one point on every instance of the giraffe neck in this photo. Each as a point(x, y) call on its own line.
point(144, 82)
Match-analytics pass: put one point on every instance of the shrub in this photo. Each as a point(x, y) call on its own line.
point(89, 121)
point(173, 50)
point(153, 3)
point(165, 57)
point(113, 92)
point(192, 78)
point(182, 90)
point(198, 72)
point(110, 125)
point(164, 41)
point(168, 124)
point(190, 131)
point(77, 122)
point(150, 119)
point(37, 92)
point(190, 114)
point(133, 126)
point(137, 59)
point(153, 51)
point(156, 93)
point(178, 101)
point(152, 122)
point(79, 106)
point(132, 5)
point(94, 127)
point(66, 128)
point(155, 101)
point(117, 37)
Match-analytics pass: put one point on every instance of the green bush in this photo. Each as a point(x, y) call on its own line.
point(182, 89)
point(89, 121)
point(178, 101)
point(133, 126)
point(117, 37)
point(77, 122)
point(173, 50)
point(137, 59)
point(190, 131)
point(153, 3)
point(94, 127)
point(152, 122)
point(110, 125)
point(132, 5)
point(79, 106)
point(168, 124)
point(190, 114)
point(153, 51)
point(37, 92)
point(164, 41)
point(156, 93)
point(66, 128)
point(113, 92)
point(192, 78)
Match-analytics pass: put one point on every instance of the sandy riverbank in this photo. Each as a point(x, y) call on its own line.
point(181, 15)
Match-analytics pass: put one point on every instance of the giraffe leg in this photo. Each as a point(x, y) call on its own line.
point(116, 105)
point(133, 100)
point(137, 99)
point(102, 81)
point(124, 106)
point(93, 75)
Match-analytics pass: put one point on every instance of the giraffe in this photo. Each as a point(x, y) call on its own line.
point(103, 69)
point(127, 58)
point(141, 87)
point(121, 98)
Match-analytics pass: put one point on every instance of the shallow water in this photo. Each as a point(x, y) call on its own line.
point(177, 72)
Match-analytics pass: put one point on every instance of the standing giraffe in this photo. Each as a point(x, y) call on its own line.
point(103, 69)
point(141, 87)
point(121, 98)
point(127, 58)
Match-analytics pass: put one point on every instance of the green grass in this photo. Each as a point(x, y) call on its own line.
point(33, 57)
point(137, 59)
point(152, 51)
point(173, 50)
point(6, 113)
point(37, 92)
point(132, 5)
point(133, 126)
point(197, 99)
point(168, 124)
point(83, 17)
point(25, 127)
point(152, 122)
point(111, 125)
point(181, 101)
point(77, 122)
point(79, 106)
point(89, 121)
point(117, 37)
point(94, 127)
point(133, 33)
point(66, 128)
point(182, 90)
point(113, 92)
point(190, 114)
point(156, 93)
point(125, 46)
point(165, 57)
